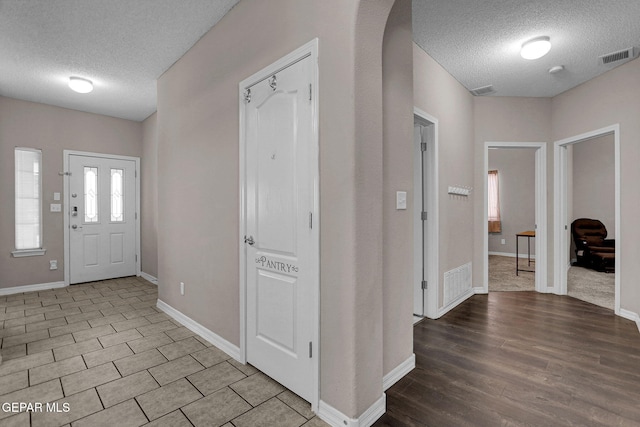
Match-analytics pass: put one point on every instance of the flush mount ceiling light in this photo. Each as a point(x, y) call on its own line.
point(536, 48)
point(80, 85)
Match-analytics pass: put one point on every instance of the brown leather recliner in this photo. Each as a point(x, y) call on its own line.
point(593, 249)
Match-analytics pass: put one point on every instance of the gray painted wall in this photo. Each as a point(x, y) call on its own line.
point(612, 98)
point(437, 93)
point(512, 120)
point(198, 167)
point(52, 129)
point(149, 200)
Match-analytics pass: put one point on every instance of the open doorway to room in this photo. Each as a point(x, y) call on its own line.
point(511, 219)
point(587, 196)
point(520, 263)
point(425, 214)
point(591, 191)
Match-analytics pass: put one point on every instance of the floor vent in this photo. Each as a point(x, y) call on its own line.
point(619, 56)
point(484, 90)
point(456, 283)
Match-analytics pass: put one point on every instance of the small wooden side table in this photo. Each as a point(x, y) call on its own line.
point(528, 235)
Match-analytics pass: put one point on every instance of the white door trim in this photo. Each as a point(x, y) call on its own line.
point(309, 49)
point(561, 243)
point(67, 202)
point(540, 214)
point(433, 228)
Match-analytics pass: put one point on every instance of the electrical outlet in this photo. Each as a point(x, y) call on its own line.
point(503, 241)
point(181, 288)
point(53, 264)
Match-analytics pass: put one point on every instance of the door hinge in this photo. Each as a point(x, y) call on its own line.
point(423, 216)
point(423, 146)
point(424, 284)
point(247, 95)
point(310, 91)
point(136, 257)
point(136, 174)
point(566, 228)
point(311, 220)
point(310, 349)
point(136, 215)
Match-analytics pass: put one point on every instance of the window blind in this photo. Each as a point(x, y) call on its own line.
point(28, 201)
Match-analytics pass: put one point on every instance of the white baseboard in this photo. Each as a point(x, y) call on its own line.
point(453, 304)
point(631, 316)
point(511, 254)
point(480, 291)
point(398, 372)
point(31, 288)
point(335, 418)
point(215, 339)
point(149, 277)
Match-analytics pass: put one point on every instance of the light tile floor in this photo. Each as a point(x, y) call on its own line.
point(102, 354)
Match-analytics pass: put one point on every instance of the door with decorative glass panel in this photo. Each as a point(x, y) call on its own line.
point(102, 218)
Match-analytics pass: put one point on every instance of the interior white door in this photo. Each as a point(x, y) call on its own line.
point(421, 246)
point(102, 218)
point(419, 242)
point(279, 201)
point(425, 146)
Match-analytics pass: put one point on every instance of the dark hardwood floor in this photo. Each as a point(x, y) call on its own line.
point(521, 359)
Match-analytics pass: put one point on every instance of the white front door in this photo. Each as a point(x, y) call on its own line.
point(102, 218)
point(281, 256)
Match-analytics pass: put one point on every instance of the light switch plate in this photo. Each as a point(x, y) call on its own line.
point(401, 200)
point(56, 196)
point(56, 207)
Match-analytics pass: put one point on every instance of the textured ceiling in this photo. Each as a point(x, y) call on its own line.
point(478, 42)
point(123, 46)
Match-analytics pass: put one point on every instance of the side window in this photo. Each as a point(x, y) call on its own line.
point(117, 195)
point(90, 194)
point(28, 201)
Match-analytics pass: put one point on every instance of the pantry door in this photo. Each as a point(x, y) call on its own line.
point(280, 223)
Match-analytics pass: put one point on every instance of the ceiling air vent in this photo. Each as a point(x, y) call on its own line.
point(484, 90)
point(623, 55)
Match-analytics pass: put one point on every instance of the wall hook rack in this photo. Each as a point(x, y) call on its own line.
point(460, 190)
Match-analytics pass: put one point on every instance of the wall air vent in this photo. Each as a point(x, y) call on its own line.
point(620, 56)
point(484, 90)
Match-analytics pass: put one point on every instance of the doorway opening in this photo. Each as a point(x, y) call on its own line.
point(425, 213)
point(520, 236)
point(582, 272)
point(511, 212)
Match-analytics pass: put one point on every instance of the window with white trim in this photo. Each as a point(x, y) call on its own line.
point(495, 221)
point(28, 201)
